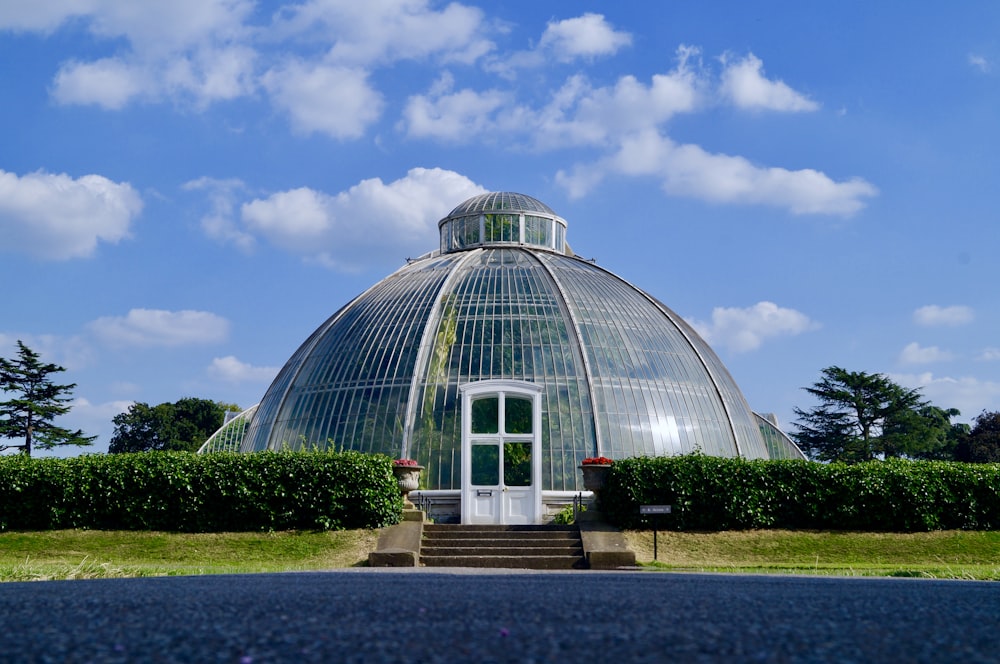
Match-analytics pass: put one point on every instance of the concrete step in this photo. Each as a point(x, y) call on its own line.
point(505, 562)
point(498, 550)
point(501, 534)
point(524, 547)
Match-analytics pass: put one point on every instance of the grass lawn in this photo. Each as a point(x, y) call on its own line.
point(941, 554)
point(78, 554)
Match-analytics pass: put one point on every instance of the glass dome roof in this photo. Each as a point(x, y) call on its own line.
point(501, 201)
point(622, 375)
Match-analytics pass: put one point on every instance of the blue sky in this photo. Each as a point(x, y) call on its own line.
point(188, 188)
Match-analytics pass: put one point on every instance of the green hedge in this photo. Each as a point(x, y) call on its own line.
point(178, 491)
point(711, 493)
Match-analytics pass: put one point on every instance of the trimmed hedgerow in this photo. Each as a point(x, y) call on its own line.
point(177, 491)
point(712, 493)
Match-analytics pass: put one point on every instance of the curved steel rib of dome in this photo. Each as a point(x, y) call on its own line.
point(503, 298)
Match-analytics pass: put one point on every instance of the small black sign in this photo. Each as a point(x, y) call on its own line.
point(654, 509)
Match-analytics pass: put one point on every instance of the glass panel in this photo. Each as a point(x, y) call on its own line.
point(502, 228)
point(538, 230)
point(517, 464)
point(517, 415)
point(485, 465)
point(486, 415)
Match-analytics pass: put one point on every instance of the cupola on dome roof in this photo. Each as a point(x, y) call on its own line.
point(617, 373)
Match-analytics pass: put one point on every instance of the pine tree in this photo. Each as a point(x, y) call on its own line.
point(36, 402)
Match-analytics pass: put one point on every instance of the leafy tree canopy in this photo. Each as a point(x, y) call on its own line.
point(180, 426)
point(35, 402)
point(862, 416)
point(982, 445)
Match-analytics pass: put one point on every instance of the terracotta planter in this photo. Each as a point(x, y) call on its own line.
point(594, 475)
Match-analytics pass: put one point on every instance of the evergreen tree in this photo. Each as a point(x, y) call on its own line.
point(36, 401)
point(863, 416)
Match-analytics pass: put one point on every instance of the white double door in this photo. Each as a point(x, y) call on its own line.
point(501, 448)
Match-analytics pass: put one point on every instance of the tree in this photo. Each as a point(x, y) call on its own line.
point(864, 416)
point(982, 445)
point(928, 433)
point(180, 426)
point(36, 402)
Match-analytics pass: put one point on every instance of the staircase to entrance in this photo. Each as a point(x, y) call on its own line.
point(518, 547)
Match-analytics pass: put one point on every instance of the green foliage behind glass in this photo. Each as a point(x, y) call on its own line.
point(185, 492)
point(712, 493)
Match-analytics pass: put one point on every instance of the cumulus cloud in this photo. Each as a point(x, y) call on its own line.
point(968, 394)
point(157, 327)
point(914, 353)
point(742, 330)
point(576, 114)
point(452, 116)
point(332, 100)
point(934, 315)
point(744, 84)
point(689, 170)
point(585, 36)
point(389, 30)
point(368, 223)
point(176, 49)
point(208, 50)
point(220, 223)
point(57, 217)
point(232, 370)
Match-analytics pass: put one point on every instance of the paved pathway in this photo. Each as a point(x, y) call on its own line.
point(456, 616)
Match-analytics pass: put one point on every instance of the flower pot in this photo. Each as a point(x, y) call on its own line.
point(408, 478)
point(594, 475)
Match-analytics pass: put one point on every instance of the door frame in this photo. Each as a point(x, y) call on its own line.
point(502, 388)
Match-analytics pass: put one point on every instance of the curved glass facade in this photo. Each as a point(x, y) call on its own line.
point(621, 374)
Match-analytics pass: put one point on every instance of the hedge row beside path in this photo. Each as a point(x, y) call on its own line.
point(711, 493)
point(176, 491)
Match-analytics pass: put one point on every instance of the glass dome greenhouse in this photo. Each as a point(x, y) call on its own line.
point(506, 320)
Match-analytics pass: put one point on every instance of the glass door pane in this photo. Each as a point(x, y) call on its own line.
point(485, 465)
point(486, 415)
point(517, 464)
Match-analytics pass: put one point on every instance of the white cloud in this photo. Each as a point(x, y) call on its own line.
point(33, 16)
point(914, 353)
point(968, 394)
point(152, 25)
point(742, 330)
point(185, 48)
point(585, 36)
point(232, 370)
point(369, 223)
point(56, 217)
point(451, 116)
point(337, 101)
point(577, 114)
point(743, 83)
point(366, 33)
point(979, 62)
point(109, 83)
point(933, 314)
point(220, 224)
point(689, 170)
point(989, 355)
point(157, 327)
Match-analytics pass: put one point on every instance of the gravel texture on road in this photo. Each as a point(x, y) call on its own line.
point(456, 616)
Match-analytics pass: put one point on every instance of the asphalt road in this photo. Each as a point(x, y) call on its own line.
point(455, 616)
